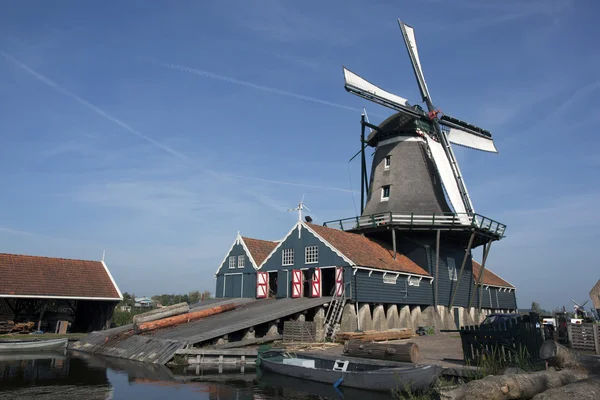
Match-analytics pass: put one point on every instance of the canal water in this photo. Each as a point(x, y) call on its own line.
point(74, 375)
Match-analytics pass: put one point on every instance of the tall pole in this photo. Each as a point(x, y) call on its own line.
point(363, 164)
point(437, 269)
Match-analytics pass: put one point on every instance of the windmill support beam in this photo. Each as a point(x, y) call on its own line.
point(394, 241)
point(462, 268)
point(370, 125)
point(363, 163)
point(437, 268)
point(486, 251)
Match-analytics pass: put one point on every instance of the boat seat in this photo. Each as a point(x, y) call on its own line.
point(340, 365)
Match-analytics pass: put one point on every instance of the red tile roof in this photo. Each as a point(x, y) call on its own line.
point(489, 278)
point(259, 249)
point(22, 275)
point(366, 252)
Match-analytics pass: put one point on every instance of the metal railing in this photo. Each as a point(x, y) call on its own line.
point(448, 220)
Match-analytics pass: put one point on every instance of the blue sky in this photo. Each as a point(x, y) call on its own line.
point(157, 130)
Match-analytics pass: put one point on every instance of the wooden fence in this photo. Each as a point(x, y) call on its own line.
point(507, 341)
point(299, 331)
point(584, 337)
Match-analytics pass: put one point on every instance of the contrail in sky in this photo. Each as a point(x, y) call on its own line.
point(92, 107)
point(228, 79)
point(290, 183)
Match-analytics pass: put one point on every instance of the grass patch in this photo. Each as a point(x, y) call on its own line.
point(25, 336)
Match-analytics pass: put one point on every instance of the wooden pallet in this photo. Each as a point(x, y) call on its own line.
point(299, 332)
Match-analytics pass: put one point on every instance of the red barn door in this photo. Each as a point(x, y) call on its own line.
point(262, 285)
point(339, 281)
point(315, 287)
point(296, 283)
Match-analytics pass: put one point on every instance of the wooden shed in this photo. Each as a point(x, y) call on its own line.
point(46, 290)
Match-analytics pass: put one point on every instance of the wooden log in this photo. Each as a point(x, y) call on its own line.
point(513, 386)
point(558, 355)
point(249, 342)
point(587, 389)
point(404, 352)
point(184, 318)
point(160, 313)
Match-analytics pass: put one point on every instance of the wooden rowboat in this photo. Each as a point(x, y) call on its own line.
point(32, 345)
point(350, 372)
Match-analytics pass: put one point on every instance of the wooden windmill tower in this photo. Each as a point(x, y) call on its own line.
point(416, 187)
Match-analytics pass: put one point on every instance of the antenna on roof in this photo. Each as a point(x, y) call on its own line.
point(299, 208)
point(103, 254)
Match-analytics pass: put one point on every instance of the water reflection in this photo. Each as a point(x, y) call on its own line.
point(83, 376)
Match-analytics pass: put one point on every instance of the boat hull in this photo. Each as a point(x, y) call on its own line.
point(385, 379)
point(33, 345)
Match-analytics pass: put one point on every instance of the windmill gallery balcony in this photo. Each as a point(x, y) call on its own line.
point(411, 221)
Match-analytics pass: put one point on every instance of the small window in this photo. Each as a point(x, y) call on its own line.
point(388, 161)
point(311, 254)
point(414, 281)
point(452, 275)
point(287, 257)
point(241, 261)
point(385, 193)
point(390, 278)
point(232, 261)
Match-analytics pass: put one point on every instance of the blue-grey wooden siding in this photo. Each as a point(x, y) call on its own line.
point(446, 286)
point(327, 257)
point(508, 300)
point(249, 281)
point(219, 286)
point(371, 289)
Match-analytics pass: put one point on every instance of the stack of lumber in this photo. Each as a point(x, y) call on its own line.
point(6, 325)
point(403, 352)
point(375, 336)
point(182, 319)
point(24, 327)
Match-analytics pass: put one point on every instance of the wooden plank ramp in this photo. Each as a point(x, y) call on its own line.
point(160, 346)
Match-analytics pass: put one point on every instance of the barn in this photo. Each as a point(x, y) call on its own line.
point(314, 260)
point(46, 290)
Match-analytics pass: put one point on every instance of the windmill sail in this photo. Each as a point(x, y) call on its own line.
point(365, 89)
point(465, 134)
point(408, 33)
point(444, 168)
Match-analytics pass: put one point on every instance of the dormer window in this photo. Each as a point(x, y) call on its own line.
point(385, 193)
point(388, 162)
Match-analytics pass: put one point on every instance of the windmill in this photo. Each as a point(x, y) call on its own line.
point(301, 206)
point(417, 142)
point(579, 310)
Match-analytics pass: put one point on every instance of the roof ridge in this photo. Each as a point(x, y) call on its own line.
point(262, 240)
point(48, 257)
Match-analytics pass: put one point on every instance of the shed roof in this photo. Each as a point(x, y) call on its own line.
point(367, 252)
point(259, 249)
point(489, 278)
point(46, 277)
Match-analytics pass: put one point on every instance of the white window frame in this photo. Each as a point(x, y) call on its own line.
point(232, 261)
point(241, 261)
point(414, 281)
point(311, 253)
point(287, 257)
point(390, 279)
point(452, 274)
point(383, 197)
point(387, 161)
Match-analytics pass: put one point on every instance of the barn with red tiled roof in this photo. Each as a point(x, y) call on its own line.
point(46, 290)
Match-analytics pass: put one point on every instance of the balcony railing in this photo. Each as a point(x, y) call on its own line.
point(420, 221)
